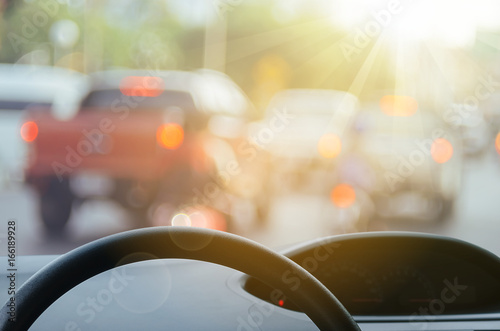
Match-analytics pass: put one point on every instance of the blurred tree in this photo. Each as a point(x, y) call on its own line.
point(266, 49)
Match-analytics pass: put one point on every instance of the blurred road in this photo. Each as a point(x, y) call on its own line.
point(294, 218)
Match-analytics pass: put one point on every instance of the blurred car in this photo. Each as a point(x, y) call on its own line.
point(411, 164)
point(476, 136)
point(137, 138)
point(474, 130)
point(303, 132)
point(23, 87)
point(492, 111)
point(302, 137)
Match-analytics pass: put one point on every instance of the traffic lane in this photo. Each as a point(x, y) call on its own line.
point(16, 204)
point(292, 218)
point(89, 221)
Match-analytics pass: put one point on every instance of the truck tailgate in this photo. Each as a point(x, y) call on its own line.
point(117, 144)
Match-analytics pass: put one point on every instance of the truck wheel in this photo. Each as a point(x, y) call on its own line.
point(136, 198)
point(55, 206)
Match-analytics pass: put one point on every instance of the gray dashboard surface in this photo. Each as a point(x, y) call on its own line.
point(189, 295)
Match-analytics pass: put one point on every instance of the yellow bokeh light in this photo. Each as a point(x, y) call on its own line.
point(329, 146)
point(170, 135)
point(398, 105)
point(181, 220)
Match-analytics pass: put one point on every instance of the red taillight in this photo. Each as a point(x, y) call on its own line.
point(170, 135)
point(136, 86)
point(343, 195)
point(29, 131)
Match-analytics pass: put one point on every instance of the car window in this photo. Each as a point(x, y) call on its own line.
point(20, 105)
point(111, 97)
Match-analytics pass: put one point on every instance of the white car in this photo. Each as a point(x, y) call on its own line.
point(303, 132)
point(414, 162)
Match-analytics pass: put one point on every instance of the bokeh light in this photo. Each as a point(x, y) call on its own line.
point(441, 150)
point(398, 105)
point(497, 143)
point(204, 217)
point(181, 220)
point(170, 135)
point(137, 86)
point(343, 195)
point(329, 146)
point(29, 131)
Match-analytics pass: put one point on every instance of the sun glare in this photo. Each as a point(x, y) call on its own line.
point(398, 105)
point(451, 22)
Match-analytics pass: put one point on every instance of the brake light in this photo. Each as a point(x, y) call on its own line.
point(170, 135)
point(329, 146)
point(497, 143)
point(441, 150)
point(137, 86)
point(343, 195)
point(398, 105)
point(29, 131)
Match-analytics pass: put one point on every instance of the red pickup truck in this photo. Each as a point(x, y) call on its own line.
point(137, 135)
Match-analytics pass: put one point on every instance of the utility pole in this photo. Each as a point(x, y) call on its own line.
point(215, 43)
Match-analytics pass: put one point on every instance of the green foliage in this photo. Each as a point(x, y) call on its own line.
point(144, 34)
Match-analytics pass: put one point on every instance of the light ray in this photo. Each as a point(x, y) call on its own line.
point(249, 45)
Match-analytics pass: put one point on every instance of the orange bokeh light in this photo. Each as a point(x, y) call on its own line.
point(137, 86)
point(398, 105)
point(204, 217)
point(170, 136)
point(497, 143)
point(343, 195)
point(29, 131)
point(441, 150)
point(329, 146)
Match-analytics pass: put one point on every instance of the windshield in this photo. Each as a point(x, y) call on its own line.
point(319, 118)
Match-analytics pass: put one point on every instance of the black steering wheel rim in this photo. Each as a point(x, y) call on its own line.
point(69, 270)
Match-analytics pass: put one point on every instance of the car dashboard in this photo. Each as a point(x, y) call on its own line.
point(386, 280)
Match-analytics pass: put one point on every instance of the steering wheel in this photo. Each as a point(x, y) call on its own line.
point(229, 250)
